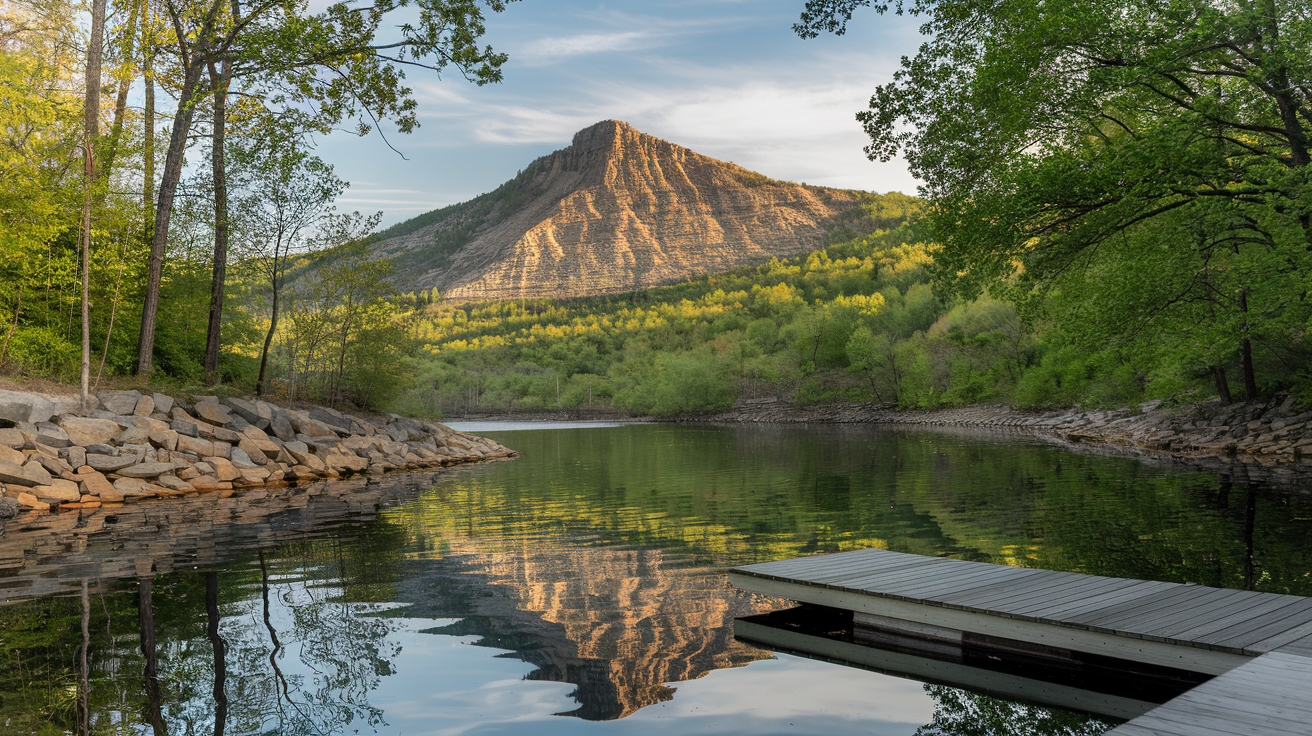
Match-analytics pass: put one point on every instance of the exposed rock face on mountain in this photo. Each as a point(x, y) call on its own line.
point(617, 210)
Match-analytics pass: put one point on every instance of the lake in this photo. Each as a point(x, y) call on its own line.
point(580, 588)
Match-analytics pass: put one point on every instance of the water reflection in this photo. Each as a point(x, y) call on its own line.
point(583, 579)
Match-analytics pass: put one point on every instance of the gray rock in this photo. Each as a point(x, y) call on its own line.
point(77, 457)
point(330, 417)
point(111, 416)
point(163, 403)
point(119, 402)
point(20, 406)
point(185, 428)
point(8, 508)
point(12, 438)
point(242, 459)
point(52, 465)
point(146, 470)
point(100, 448)
point(212, 413)
point(237, 424)
point(110, 464)
point(281, 425)
point(245, 409)
point(51, 436)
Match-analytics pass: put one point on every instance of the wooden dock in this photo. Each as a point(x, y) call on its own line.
point(1259, 644)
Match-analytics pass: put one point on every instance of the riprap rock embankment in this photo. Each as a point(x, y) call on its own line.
point(134, 446)
point(1271, 438)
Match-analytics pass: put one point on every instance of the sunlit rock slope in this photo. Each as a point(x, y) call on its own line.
point(618, 210)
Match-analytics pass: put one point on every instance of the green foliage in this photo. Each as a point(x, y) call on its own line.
point(1126, 170)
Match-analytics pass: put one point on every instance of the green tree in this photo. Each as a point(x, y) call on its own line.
point(1051, 135)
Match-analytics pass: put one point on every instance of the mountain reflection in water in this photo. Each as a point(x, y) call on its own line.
point(587, 575)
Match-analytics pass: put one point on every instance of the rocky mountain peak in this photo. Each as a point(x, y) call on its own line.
point(616, 210)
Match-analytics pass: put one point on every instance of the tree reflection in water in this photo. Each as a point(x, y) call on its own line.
point(963, 713)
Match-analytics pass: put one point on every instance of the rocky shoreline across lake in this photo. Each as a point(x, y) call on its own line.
point(1260, 440)
point(56, 455)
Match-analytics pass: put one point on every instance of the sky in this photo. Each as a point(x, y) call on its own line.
point(726, 78)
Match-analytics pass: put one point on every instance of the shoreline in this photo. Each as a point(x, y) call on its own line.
point(129, 447)
point(1262, 441)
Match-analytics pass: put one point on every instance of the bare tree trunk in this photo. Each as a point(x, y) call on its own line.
point(268, 337)
point(91, 131)
point(163, 211)
point(220, 80)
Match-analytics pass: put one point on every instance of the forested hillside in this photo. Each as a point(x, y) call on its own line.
point(859, 321)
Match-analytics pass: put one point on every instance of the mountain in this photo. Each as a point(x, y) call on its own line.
point(617, 210)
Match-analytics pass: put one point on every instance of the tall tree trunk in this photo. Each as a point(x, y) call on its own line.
point(219, 79)
point(268, 337)
point(1246, 353)
point(220, 652)
point(168, 186)
point(1222, 385)
point(90, 132)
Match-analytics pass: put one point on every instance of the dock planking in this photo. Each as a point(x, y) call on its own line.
point(1260, 644)
point(1233, 621)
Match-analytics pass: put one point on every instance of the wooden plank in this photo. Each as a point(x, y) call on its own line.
point(935, 590)
point(1165, 598)
point(1193, 600)
point(1243, 635)
point(828, 566)
point(1063, 611)
point(889, 576)
point(1257, 610)
point(1040, 590)
point(912, 581)
point(1186, 619)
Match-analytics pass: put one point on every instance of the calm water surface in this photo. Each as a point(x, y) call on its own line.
point(580, 588)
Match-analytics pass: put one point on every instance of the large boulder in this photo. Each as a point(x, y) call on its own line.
point(212, 412)
point(20, 406)
point(245, 409)
point(163, 403)
point(281, 425)
point(121, 403)
point(29, 475)
point(145, 406)
point(86, 431)
point(61, 490)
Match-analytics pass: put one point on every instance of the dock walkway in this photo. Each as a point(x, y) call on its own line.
point(1260, 644)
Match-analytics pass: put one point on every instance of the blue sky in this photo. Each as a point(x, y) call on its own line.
point(727, 79)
